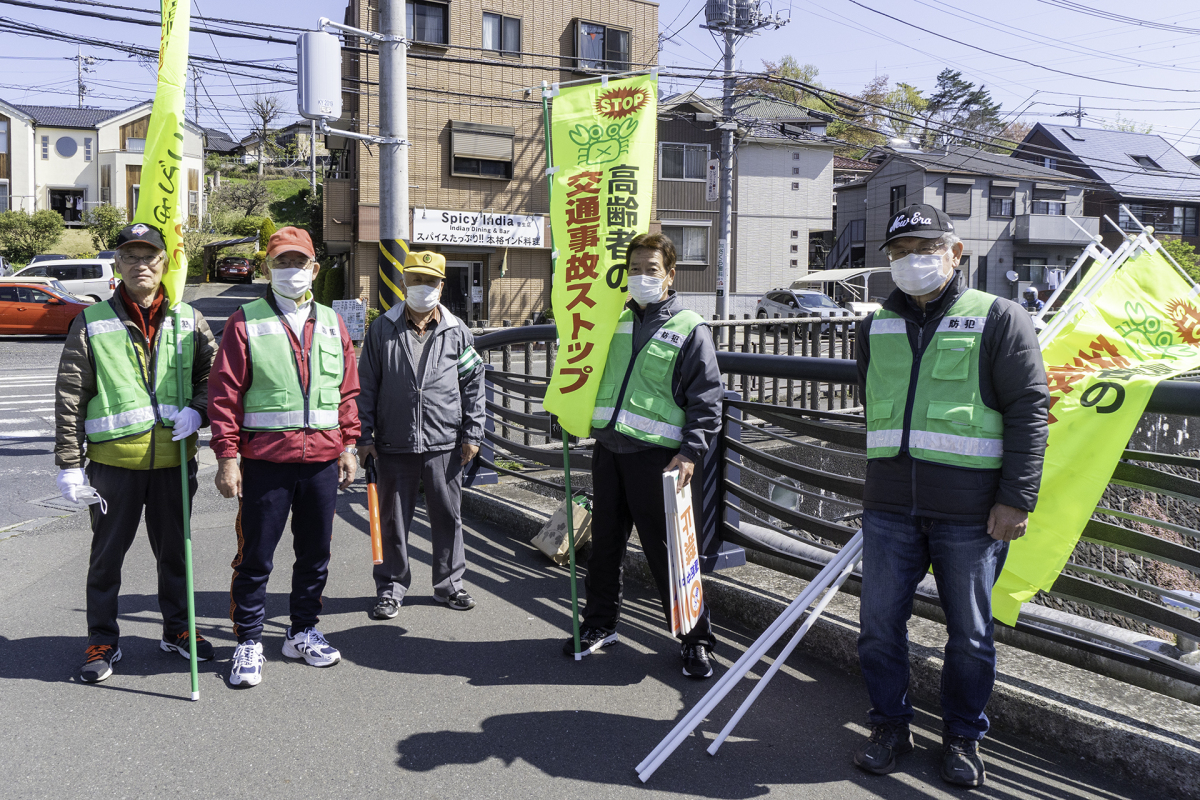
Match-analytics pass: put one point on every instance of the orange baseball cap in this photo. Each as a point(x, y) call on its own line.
point(288, 239)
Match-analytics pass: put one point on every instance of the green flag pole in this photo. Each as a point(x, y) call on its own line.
point(187, 513)
point(570, 506)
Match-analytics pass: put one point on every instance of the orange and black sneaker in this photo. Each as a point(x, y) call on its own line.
point(178, 642)
point(98, 666)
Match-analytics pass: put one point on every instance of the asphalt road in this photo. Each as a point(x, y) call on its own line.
point(28, 365)
point(435, 703)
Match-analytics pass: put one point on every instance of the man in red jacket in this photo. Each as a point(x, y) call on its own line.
point(281, 394)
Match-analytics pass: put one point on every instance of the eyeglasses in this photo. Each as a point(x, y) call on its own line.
point(133, 261)
point(895, 254)
point(292, 263)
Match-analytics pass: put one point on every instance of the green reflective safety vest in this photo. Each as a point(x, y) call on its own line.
point(275, 400)
point(947, 422)
point(641, 397)
point(131, 396)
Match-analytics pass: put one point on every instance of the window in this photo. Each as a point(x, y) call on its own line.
point(134, 192)
point(896, 196)
point(66, 146)
point(795, 156)
point(1047, 201)
point(1165, 219)
point(87, 149)
point(481, 151)
point(957, 199)
point(601, 47)
point(3, 136)
point(691, 242)
point(981, 275)
point(501, 33)
point(1146, 162)
point(106, 183)
point(795, 248)
point(45, 148)
point(795, 170)
point(92, 272)
point(1001, 199)
point(795, 186)
point(682, 162)
point(1050, 163)
point(1189, 222)
point(795, 234)
point(795, 262)
point(133, 145)
point(3, 195)
point(428, 22)
point(1032, 270)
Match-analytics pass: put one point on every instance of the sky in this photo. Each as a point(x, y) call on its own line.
point(1044, 54)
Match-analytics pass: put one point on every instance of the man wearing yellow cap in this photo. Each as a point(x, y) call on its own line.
point(421, 409)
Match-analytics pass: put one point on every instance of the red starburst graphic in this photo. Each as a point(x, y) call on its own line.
point(1186, 320)
point(620, 103)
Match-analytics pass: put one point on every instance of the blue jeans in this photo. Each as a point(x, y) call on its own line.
point(898, 549)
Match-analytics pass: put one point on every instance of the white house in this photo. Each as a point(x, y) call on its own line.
point(72, 159)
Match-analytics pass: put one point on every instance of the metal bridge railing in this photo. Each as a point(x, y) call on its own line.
point(785, 479)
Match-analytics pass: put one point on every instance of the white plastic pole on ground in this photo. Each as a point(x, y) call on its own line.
point(777, 628)
point(816, 612)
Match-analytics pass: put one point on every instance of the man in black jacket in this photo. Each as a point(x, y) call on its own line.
point(658, 408)
point(956, 406)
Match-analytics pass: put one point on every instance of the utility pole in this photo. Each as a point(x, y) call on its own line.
point(1078, 114)
point(734, 19)
point(195, 96)
point(81, 66)
point(393, 155)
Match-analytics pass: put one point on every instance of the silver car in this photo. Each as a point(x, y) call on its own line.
point(798, 303)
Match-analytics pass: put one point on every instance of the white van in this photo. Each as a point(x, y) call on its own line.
point(90, 277)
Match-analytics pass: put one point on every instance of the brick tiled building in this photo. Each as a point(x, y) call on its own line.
point(476, 127)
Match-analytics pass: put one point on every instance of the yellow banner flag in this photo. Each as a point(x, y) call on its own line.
point(1141, 327)
point(603, 146)
point(160, 199)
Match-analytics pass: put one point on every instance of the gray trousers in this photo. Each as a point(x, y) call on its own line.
point(399, 478)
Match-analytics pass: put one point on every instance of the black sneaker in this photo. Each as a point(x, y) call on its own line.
point(961, 764)
point(386, 608)
point(888, 741)
point(590, 640)
point(695, 661)
point(98, 665)
point(459, 601)
point(179, 643)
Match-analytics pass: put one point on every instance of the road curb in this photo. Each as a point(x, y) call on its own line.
point(1139, 735)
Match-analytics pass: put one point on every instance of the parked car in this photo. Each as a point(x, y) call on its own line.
point(47, 257)
point(5, 267)
point(798, 303)
point(91, 277)
point(235, 268)
point(37, 307)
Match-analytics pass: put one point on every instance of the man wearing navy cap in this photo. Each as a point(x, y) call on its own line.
point(956, 408)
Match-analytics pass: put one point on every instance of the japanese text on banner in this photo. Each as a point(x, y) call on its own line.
point(603, 145)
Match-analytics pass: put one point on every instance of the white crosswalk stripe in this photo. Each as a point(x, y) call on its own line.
point(27, 406)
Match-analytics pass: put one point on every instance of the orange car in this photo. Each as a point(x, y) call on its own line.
point(37, 307)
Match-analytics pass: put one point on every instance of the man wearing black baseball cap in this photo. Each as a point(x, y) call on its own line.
point(118, 392)
point(956, 408)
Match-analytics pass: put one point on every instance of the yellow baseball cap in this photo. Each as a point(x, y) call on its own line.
point(426, 262)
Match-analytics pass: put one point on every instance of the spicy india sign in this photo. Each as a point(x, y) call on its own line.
point(602, 141)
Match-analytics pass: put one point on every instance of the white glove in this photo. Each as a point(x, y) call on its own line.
point(187, 422)
point(73, 485)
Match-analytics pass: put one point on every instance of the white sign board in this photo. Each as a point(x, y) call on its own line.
point(477, 228)
point(683, 559)
point(476, 294)
point(712, 186)
point(354, 314)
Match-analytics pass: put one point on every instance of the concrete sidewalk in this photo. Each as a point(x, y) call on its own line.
point(435, 703)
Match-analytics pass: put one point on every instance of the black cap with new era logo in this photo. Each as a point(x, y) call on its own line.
point(141, 233)
point(919, 221)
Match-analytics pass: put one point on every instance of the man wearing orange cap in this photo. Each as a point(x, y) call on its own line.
point(422, 416)
point(281, 395)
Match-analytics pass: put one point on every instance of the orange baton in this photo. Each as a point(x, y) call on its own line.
point(373, 512)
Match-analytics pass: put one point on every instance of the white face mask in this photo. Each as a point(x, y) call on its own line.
point(422, 298)
point(291, 283)
point(645, 289)
point(918, 274)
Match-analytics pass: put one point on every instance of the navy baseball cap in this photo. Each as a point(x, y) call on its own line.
point(920, 221)
point(140, 233)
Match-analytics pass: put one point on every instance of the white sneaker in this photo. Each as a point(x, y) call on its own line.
point(310, 645)
point(247, 664)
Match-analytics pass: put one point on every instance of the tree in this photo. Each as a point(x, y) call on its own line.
point(1127, 125)
point(787, 69)
point(866, 123)
point(248, 197)
point(24, 235)
point(909, 106)
point(266, 108)
point(1185, 254)
point(103, 223)
point(960, 113)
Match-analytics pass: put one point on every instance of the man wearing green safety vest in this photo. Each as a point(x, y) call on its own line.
point(956, 409)
point(657, 409)
point(117, 391)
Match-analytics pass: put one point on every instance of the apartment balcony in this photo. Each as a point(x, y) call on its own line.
point(1054, 229)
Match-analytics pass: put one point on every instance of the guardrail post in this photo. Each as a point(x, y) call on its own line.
point(725, 508)
point(791, 352)
point(528, 369)
point(506, 366)
point(746, 387)
point(845, 354)
point(477, 474)
point(775, 381)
